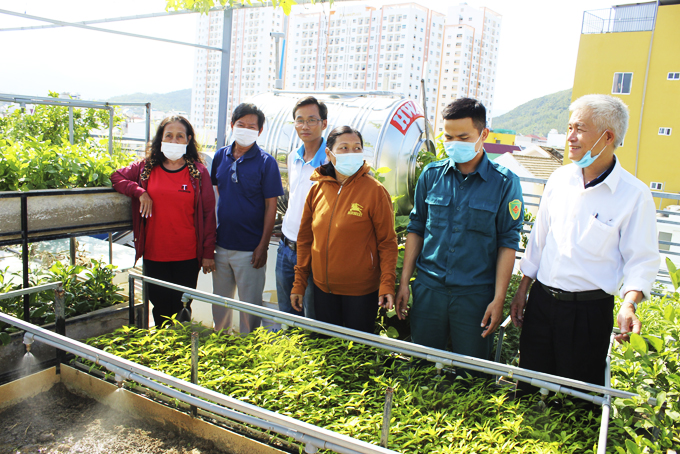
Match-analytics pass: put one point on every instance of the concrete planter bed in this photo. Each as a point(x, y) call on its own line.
point(59, 213)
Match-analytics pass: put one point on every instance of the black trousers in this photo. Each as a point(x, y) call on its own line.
point(569, 339)
point(167, 302)
point(355, 312)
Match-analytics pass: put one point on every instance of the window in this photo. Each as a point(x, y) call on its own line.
point(673, 76)
point(665, 236)
point(665, 131)
point(656, 186)
point(622, 83)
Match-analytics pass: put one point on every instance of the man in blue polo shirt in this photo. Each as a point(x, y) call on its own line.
point(462, 237)
point(310, 121)
point(248, 183)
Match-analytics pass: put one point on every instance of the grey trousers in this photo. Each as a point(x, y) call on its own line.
point(233, 270)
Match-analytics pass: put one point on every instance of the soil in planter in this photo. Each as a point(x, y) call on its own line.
point(58, 421)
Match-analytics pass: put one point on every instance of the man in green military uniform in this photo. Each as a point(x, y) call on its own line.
point(462, 237)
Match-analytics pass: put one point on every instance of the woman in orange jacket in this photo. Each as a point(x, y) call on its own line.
point(346, 238)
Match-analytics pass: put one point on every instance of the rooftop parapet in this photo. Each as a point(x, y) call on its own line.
point(622, 18)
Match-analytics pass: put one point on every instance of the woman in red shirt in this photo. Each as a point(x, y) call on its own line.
point(173, 212)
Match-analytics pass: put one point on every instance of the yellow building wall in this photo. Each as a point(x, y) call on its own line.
point(659, 158)
point(599, 57)
point(505, 139)
point(602, 55)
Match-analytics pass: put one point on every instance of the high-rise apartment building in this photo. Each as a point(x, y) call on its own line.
point(356, 48)
point(252, 69)
point(469, 57)
point(207, 64)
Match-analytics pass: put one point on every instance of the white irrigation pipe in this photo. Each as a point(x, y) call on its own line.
point(26, 291)
point(606, 405)
point(538, 379)
point(314, 437)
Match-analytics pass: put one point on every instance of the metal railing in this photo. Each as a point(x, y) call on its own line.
point(24, 100)
point(636, 18)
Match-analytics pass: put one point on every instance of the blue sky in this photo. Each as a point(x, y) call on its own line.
point(537, 55)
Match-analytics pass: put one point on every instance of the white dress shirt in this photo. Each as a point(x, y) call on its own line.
point(299, 184)
point(603, 237)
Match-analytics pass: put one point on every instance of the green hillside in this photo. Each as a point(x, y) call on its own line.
point(538, 116)
point(179, 100)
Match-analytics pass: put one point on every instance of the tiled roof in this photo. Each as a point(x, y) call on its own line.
point(557, 154)
point(538, 166)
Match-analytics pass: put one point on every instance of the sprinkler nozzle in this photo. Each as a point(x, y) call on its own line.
point(28, 341)
point(310, 448)
point(186, 298)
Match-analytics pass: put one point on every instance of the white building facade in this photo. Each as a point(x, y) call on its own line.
point(352, 48)
point(252, 69)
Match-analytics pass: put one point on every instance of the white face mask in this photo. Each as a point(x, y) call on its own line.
point(173, 151)
point(244, 137)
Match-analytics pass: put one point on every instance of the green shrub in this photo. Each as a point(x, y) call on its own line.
point(35, 152)
point(87, 289)
point(340, 385)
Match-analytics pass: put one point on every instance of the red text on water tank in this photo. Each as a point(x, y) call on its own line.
point(405, 116)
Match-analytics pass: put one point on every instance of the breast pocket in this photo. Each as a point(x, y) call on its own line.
point(437, 210)
point(597, 236)
point(251, 184)
point(482, 216)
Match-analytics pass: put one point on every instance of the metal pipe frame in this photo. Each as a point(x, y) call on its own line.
point(606, 405)
point(538, 379)
point(100, 21)
point(27, 291)
point(194, 394)
point(21, 99)
point(105, 30)
point(24, 254)
point(222, 113)
point(123, 138)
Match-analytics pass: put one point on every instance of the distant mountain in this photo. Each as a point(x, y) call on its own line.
point(175, 100)
point(538, 116)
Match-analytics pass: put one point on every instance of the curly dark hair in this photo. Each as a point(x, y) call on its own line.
point(154, 155)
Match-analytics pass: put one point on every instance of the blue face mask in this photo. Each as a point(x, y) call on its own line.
point(587, 158)
point(461, 152)
point(348, 163)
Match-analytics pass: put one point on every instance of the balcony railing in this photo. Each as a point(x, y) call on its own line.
point(625, 18)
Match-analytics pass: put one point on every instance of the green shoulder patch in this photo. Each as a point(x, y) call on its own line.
point(515, 209)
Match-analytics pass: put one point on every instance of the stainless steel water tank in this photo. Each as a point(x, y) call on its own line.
point(393, 129)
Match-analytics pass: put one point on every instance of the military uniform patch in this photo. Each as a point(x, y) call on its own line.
point(515, 209)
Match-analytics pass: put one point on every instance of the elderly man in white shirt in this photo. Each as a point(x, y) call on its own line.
point(310, 117)
point(594, 235)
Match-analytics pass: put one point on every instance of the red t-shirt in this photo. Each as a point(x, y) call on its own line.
point(170, 230)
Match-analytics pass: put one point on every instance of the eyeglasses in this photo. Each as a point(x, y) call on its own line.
point(234, 176)
point(299, 122)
